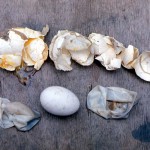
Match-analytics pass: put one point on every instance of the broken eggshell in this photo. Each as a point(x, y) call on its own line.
point(11, 51)
point(142, 66)
point(23, 41)
point(35, 50)
point(67, 45)
point(111, 102)
point(59, 101)
point(10, 62)
point(107, 50)
point(61, 57)
point(18, 115)
point(128, 56)
point(79, 48)
point(35, 53)
point(29, 33)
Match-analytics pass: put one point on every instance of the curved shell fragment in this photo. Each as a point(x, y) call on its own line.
point(142, 66)
point(107, 50)
point(35, 53)
point(10, 62)
point(29, 33)
point(23, 44)
point(99, 44)
point(128, 56)
point(60, 56)
point(13, 45)
point(11, 51)
point(66, 45)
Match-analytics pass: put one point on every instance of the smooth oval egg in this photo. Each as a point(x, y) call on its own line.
point(59, 101)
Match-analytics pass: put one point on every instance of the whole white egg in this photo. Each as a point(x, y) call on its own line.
point(59, 101)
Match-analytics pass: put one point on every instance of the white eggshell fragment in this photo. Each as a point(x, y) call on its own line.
point(59, 101)
point(107, 50)
point(128, 56)
point(67, 45)
point(24, 45)
point(142, 66)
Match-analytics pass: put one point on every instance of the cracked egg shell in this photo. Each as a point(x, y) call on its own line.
point(61, 57)
point(116, 45)
point(35, 53)
point(29, 33)
point(128, 56)
point(79, 48)
point(23, 41)
point(66, 45)
point(76, 42)
point(142, 66)
point(10, 62)
point(99, 45)
point(63, 61)
point(107, 50)
point(109, 60)
point(59, 101)
point(14, 44)
point(11, 51)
